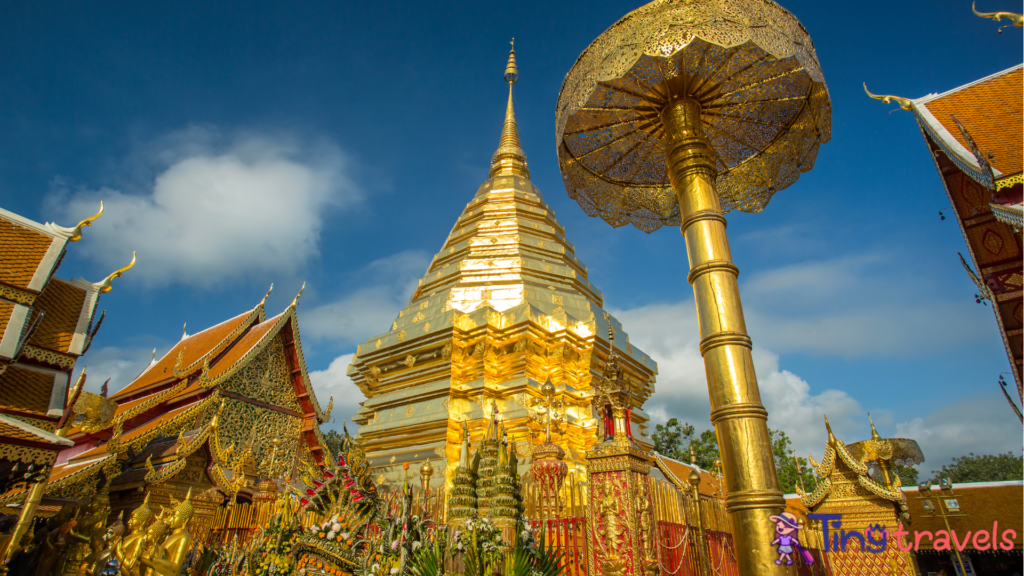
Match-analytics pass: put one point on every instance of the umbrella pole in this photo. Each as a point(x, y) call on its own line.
point(740, 420)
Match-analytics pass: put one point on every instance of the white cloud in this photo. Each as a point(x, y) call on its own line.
point(218, 209)
point(332, 381)
point(854, 307)
point(370, 309)
point(119, 365)
point(983, 424)
point(668, 332)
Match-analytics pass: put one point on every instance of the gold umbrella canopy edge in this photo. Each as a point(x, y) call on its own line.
point(752, 66)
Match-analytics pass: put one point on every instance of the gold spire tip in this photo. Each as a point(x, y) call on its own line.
point(105, 285)
point(1015, 19)
point(76, 232)
point(511, 72)
point(295, 302)
point(905, 103)
point(267, 295)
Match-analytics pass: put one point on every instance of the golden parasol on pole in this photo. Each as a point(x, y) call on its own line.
point(679, 112)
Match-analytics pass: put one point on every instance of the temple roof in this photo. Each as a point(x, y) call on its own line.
point(992, 112)
point(991, 109)
point(193, 349)
point(30, 391)
point(834, 463)
point(31, 251)
point(678, 473)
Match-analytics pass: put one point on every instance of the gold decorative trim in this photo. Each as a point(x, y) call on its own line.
point(154, 476)
point(28, 455)
point(15, 295)
point(1009, 181)
point(48, 357)
point(905, 103)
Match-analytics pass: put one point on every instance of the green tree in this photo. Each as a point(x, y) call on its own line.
point(672, 438)
point(908, 474)
point(675, 440)
point(332, 439)
point(786, 463)
point(985, 468)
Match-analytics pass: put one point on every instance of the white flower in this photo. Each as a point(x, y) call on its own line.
point(394, 570)
point(331, 535)
point(344, 535)
point(336, 527)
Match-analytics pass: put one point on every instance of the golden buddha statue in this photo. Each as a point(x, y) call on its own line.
point(96, 562)
point(54, 537)
point(155, 536)
point(166, 559)
point(130, 548)
point(87, 536)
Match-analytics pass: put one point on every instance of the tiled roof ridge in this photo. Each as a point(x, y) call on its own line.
point(179, 347)
point(256, 347)
point(936, 96)
point(256, 313)
point(968, 485)
point(50, 229)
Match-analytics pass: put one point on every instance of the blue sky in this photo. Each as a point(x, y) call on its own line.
point(239, 144)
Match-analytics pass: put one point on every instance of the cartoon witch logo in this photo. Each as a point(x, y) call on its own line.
point(786, 528)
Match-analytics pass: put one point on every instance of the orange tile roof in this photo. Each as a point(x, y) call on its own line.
point(24, 249)
point(195, 347)
point(709, 483)
point(983, 502)
point(62, 303)
point(244, 344)
point(993, 113)
point(6, 308)
point(25, 390)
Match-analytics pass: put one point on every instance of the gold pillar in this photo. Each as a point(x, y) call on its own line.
point(701, 540)
point(752, 485)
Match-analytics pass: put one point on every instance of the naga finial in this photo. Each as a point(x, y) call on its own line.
point(76, 232)
point(264, 301)
point(295, 301)
point(905, 103)
point(1016, 19)
point(105, 285)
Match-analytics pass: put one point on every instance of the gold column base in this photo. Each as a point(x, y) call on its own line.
point(740, 420)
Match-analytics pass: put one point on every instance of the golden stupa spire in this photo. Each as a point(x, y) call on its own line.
point(874, 433)
point(831, 437)
point(509, 159)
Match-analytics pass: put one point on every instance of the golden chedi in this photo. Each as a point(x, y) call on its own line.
point(504, 306)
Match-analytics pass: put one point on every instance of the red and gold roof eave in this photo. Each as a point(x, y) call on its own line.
point(143, 384)
point(995, 126)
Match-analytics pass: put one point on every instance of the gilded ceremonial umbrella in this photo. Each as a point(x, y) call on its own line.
point(679, 112)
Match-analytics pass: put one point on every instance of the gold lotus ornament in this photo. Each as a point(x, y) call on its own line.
point(681, 111)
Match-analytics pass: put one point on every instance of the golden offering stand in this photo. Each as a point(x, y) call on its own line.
point(676, 114)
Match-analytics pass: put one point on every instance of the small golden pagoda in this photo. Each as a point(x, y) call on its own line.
point(504, 307)
point(861, 505)
point(224, 408)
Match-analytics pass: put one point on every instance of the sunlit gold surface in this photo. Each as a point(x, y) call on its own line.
point(751, 66)
point(1014, 18)
point(905, 103)
point(504, 306)
point(677, 113)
